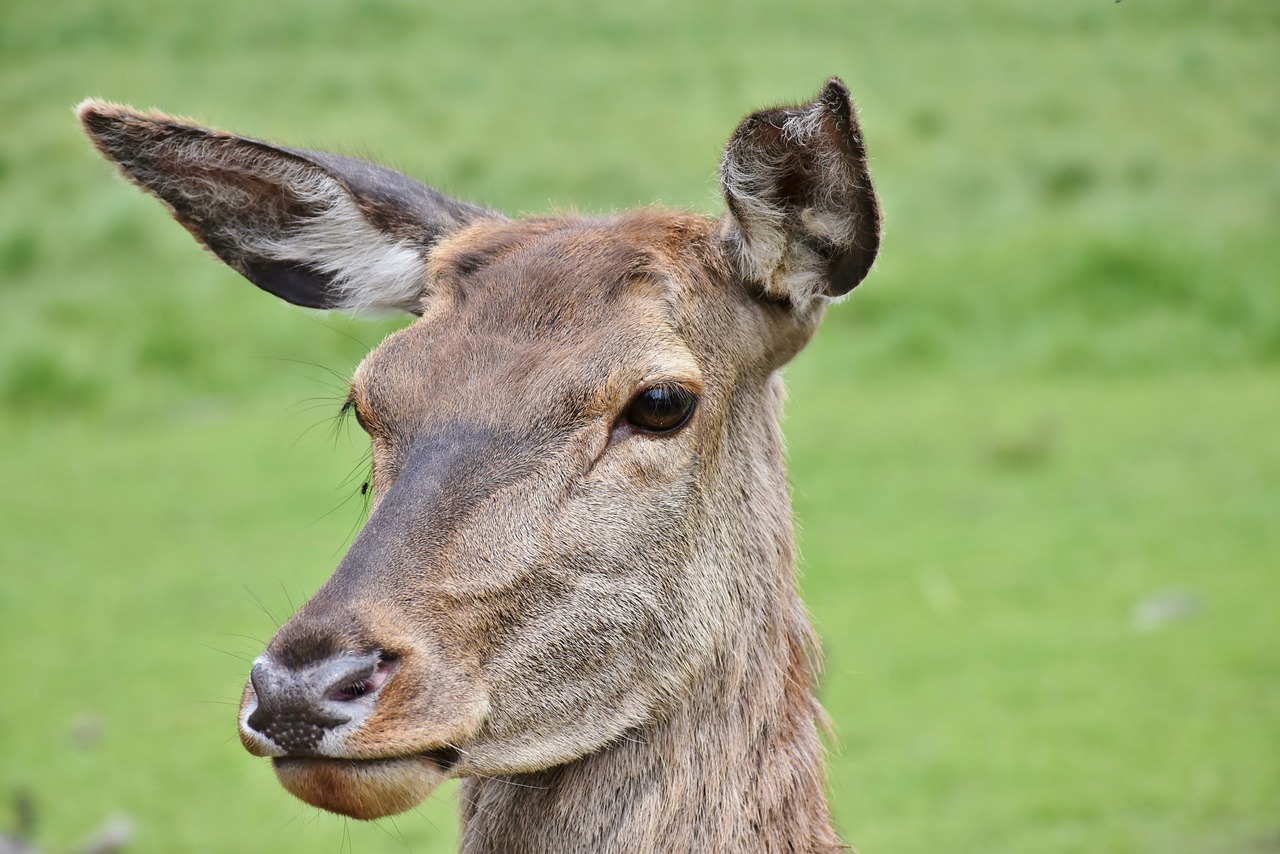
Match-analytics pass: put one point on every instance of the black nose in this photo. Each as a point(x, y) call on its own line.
point(298, 706)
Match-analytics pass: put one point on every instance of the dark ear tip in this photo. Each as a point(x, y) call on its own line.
point(106, 123)
point(847, 271)
point(835, 88)
point(99, 118)
point(836, 97)
point(96, 116)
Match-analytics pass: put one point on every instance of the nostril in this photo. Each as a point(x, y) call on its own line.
point(258, 720)
point(357, 685)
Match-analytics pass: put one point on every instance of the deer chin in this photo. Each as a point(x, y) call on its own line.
point(365, 788)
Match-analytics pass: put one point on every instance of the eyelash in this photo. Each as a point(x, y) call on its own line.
point(348, 409)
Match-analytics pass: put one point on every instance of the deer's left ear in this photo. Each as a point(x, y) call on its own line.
point(802, 218)
point(318, 230)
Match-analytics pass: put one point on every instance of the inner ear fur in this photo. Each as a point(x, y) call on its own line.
point(318, 230)
point(802, 218)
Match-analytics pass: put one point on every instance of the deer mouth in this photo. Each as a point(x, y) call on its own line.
point(366, 788)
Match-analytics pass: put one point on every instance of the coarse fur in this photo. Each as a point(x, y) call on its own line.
point(800, 198)
point(591, 621)
point(357, 235)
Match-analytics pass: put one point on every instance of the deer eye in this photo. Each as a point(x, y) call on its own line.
point(350, 408)
point(661, 409)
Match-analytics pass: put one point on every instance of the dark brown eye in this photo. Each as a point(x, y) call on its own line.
point(661, 409)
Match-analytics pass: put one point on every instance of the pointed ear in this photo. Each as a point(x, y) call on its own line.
point(318, 230)
point(802, 218)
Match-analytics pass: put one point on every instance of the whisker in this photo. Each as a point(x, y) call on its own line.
point(235, 655)
point(363, 465)
point(424, 817)
point(262, 607)
point(329, 420)
point(326, 515)
point(392, 819)
point(378, 825)
point(287, 597)
point(259, 641)
point(507, 782)
point(365, 348)
point(297, 815)
point(307, 404)
point(343, 380)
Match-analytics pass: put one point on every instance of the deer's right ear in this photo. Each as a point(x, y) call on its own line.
point(802, 219)
point(318, 230)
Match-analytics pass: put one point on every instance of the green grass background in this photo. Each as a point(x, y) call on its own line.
point(1055, 401)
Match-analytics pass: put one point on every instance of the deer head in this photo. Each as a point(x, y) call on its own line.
point(578, 493)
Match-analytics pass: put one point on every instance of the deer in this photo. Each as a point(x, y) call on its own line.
point(576, 588)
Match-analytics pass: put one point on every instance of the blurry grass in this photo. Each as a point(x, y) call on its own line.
point(1055, 398)
point(991, 684)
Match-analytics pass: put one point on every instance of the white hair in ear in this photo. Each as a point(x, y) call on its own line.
point(802, 217)
point(367, 268)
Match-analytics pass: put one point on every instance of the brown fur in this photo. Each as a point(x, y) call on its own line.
point(596, 627)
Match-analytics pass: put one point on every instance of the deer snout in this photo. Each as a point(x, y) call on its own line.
point(295, 710)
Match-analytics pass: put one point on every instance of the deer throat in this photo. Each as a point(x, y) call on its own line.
point(737, 768)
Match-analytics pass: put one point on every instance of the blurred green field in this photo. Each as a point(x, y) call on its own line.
point(1036, 456)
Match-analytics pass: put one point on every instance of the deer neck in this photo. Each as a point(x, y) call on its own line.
point(737, 766)
point(738, 769)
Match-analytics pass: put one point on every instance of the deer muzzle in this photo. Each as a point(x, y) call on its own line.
point(319, 722)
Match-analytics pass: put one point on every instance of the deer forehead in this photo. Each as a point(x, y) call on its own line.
point(548, 314)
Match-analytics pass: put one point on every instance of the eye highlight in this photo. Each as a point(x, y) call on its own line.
point(661, 408)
